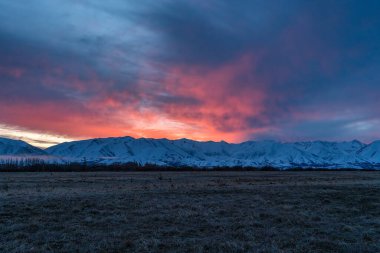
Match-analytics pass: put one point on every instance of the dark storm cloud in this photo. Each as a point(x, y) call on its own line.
point(51, 72)
point(214, 32)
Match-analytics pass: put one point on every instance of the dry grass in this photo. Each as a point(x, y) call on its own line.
point(190, 212)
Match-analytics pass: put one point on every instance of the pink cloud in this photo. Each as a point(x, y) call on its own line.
point(12, 71)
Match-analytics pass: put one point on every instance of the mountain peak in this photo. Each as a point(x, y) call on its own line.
point(11, 147)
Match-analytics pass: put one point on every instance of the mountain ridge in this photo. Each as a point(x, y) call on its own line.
point(204, 154)
point(18, 147)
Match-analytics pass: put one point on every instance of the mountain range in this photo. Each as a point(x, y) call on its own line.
point(185, 152)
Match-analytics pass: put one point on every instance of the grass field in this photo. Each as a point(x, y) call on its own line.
point(190, 212)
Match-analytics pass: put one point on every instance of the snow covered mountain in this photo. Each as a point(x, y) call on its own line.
point(371, 152)
point(182, 152)
point(16, 150)
point(9, 147)
point(317, 154)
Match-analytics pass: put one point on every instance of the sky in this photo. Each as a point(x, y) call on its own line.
point(286, 70)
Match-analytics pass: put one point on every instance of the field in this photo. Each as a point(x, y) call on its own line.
point(190, 212)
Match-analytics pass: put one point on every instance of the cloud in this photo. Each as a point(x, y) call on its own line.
point(38, 139)
point(215, 32)
point(291, 70)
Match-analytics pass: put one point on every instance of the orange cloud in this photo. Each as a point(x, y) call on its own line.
point(227, 96)
point(221, 100)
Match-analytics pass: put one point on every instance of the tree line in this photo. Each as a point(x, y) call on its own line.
point(40, 165)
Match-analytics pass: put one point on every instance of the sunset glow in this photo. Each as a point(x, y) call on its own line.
point(293, 70)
